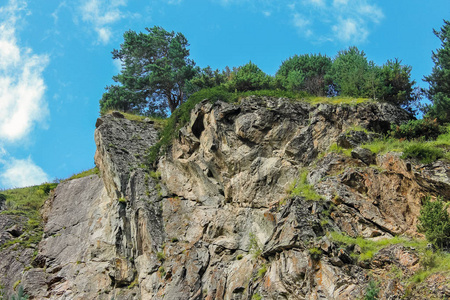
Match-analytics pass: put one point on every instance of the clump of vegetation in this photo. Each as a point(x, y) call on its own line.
point(338, 149)
point(415, 129)
point(93, 171)
point(161, 256)
point(434, 222)
point(239, 257)
point(254, 248)
point(368, 247)
point(20, 294)
point(372, 291)
point(256, 296)
point(300, 187)
point(315, 253)
point(122, 200)
point(262, 271)
point(26, 202)
point(424, 152)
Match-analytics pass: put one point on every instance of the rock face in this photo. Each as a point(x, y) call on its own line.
point(216, 220)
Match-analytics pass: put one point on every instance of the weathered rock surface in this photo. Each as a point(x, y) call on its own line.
point(217, 221)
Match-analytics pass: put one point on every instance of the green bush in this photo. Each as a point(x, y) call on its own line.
point(413, 129)
point(424, 152)
point(315, 253)
point(434, 222)
point(372, 291)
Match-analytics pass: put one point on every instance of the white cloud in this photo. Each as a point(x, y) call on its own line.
point(21, 173)
point(22, 102)
point(349, 30)
point(300, 21)
point(101, 14)
point(340, 20)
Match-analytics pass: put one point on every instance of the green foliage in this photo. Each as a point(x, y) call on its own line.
point(249, 78)
point(300, 187)
point(413, 129)
point(155, 175)
point(93, 171)
point(348, 72)
point(122, 200)
point(372, 291)
point(262, 271)
point(315, 253)
point(338, 149)
point(27, 202)
point(20, 293)
point(304, 73)
point(155, 68)
point(368, 247)
point(439, 79)
point(424, 152)
point(206, 78)
point(239, 257)
point(254, 247)
point(161, 256)
point(434, 222)
point(256, 296)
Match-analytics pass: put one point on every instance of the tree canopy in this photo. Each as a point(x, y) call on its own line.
point(155, 69)
point(439, 79)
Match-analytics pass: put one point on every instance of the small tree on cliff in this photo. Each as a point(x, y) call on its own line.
point(155, 68)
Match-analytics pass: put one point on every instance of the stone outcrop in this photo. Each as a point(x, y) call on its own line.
point(216, 220)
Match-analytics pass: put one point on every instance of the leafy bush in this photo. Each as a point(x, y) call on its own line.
point(424, 152)
point(434, 222)
point(372, 291)
point(413, 129)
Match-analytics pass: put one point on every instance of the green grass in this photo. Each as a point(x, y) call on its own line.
point(369, 248)
point(424, 151)
point(336, 100)
point(27, 202)
point(93, 171)
point(338, 149)
point(300, 187)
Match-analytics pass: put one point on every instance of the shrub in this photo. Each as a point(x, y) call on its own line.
point(426, 153)
point(434, 222)
point(413, 129)
point(372, 291)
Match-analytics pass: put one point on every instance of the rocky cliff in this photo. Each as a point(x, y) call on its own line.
point(245, 204)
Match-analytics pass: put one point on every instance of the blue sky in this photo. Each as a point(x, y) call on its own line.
point(55, 58)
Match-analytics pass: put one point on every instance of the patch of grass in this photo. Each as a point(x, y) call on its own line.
point(300, 187)
point(262, 271)
point(369, 248)
point(155, 175)
point(338, 149)
point(93, 171)
point(425, 152)
point(122, 200)
point(161, 256)
point(337, 100)
point(27, 202)
point(239, 257)
point(256, 296)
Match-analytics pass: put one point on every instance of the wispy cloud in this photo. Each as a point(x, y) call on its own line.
point(101, 15)
point(22, 172)
point(336, 20)
point(22, 101)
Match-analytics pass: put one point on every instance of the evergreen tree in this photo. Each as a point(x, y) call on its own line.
point(304, 73)
point(348, 73)
point(249, 78)
point(155, 68)
point(439, 79)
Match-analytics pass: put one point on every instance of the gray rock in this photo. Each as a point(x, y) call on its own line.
point(365, 155)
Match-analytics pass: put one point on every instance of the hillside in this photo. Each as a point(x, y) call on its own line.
point(265, 199)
